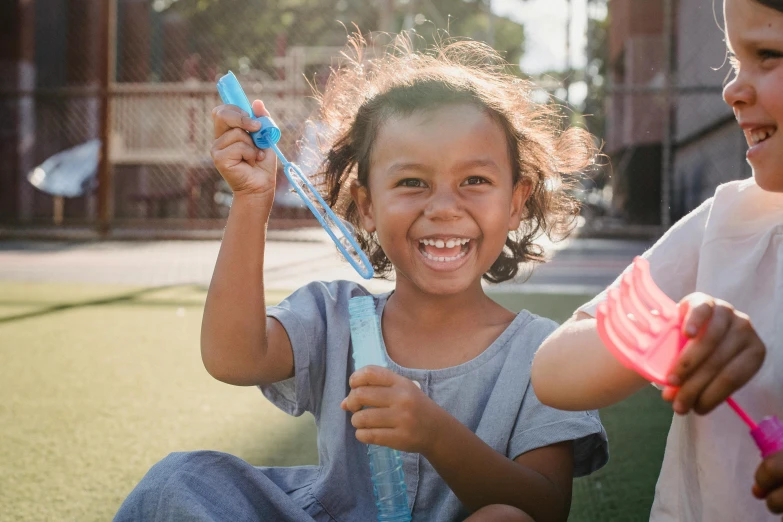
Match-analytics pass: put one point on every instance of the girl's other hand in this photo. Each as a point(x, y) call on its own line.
point(722, 354)
point(246, 168)
point(769, 482)
point(398, 415)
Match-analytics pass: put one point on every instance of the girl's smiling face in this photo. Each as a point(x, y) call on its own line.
point(754, 35)
point(441, 196)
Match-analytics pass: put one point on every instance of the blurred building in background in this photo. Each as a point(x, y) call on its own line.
point(669, 134)
point(139, 76)
point(635, 125)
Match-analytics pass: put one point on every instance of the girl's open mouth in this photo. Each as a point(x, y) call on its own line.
point(756, 136)
point(444, 250)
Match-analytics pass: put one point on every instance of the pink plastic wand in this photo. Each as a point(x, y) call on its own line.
point(744, 416)
point(642, 328)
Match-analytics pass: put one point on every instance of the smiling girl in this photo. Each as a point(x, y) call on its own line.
point(724, 263)
point(448, 170)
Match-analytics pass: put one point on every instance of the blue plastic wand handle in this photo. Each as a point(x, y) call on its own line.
point(341, 232)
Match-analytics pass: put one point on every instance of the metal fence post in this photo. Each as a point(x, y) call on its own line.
point(109, 42)
point(668, 117)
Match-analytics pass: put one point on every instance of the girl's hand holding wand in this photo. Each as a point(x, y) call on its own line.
point(247, 169)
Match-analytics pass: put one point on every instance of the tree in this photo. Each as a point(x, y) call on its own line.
point(254, 29)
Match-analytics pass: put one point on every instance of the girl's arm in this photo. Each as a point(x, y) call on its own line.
point(402, 417)
point(573, 370)
point(537, 482)
point(239, 344)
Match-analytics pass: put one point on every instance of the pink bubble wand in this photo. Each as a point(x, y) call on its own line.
point(642, 328)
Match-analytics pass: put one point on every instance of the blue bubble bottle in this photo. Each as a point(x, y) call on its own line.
point(388, 479)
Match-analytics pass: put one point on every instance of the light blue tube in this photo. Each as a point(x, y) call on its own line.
point(341, 232)
point(388, 479)
point(231, 93)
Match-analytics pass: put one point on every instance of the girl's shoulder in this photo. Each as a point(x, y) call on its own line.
point(742, 208)
point(526, 333)
point(325, 298)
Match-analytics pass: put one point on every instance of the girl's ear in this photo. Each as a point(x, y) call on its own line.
point(361, 196)
point(519, 197)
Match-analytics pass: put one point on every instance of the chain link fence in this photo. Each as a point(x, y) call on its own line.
point(671, 137)
point(653, 77)
point(139, 76)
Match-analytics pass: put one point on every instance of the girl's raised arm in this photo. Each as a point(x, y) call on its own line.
point(239, 345)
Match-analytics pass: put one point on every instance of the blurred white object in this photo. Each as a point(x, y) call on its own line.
point(70, 173)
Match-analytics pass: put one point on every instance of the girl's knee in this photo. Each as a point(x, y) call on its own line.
point(500, 513)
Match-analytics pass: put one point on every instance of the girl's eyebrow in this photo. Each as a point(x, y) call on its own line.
point(398, 166)
point(478, 162)
point(756, 38)
point(462, 165)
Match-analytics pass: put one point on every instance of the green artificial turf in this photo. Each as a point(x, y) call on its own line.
point(100, 382)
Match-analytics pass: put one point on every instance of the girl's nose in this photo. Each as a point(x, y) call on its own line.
point(443, 204)
point(739, 92)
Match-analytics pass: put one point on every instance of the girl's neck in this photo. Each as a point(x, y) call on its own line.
point(427, 331)
point(410, 302)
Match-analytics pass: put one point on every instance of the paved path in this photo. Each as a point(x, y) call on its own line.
point(293, 258)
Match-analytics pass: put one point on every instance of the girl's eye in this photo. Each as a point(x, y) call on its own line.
point(769, 54)
point(410, 183)
point(476, 180)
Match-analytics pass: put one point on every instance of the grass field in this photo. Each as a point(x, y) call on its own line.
point(100, 382)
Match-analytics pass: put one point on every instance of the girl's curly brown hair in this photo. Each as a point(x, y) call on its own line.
point(363, 92)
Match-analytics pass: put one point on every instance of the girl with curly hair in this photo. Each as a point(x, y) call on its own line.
point(449, 171)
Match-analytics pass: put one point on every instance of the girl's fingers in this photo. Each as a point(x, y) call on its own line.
point(231, 136)
point(235, 153)
point(226, 117)
point(696, 311)
point(769, 474)
point(738, 371)
point(705, 375)
point(774, 501)
point(373, 376)
point(373, 418)
point(696, 351)
point(259, 109)
point(758, 492)
point(372, 396)
point(377, 436)
point(669, 393)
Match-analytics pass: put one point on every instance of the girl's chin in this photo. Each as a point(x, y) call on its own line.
point(770, 181)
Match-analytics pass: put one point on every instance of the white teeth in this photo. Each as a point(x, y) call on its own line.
point(447, 243)
point(757, 136)
point(442, 258)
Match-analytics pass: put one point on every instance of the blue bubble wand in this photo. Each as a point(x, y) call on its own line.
point(341, 232)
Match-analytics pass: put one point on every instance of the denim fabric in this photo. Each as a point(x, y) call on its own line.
point(490, 394)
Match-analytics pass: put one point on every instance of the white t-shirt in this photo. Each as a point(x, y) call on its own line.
point(731, 247)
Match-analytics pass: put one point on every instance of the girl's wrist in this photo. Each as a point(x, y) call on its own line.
point(440, 425)
point(253, 202)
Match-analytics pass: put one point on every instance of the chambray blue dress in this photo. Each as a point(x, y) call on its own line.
point(491, 394)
